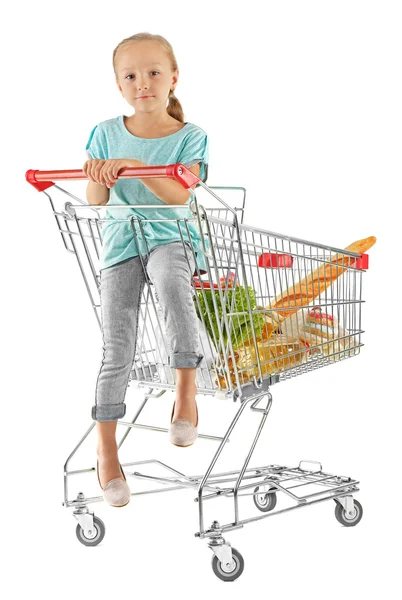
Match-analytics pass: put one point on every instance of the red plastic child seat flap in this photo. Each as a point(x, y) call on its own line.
point(271, 260)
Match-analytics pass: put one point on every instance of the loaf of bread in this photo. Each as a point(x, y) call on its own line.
point(304, 292)
point(276, 354)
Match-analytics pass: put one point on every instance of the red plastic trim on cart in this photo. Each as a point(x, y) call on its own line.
point(362, 262)
point(271, 260)
point(30, 177)
point(41, 180)
point(204, 283)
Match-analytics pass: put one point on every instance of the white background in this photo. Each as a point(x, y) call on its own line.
point(302, 104)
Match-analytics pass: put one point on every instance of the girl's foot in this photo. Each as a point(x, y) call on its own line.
point(109, 466)
point(183, 432)
point(111, 477)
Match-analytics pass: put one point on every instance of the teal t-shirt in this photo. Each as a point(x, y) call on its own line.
point(189, 146)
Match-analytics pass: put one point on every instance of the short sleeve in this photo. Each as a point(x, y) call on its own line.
point(96, 146)
point(196, 150)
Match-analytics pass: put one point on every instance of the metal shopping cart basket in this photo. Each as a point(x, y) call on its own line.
point(256, 329)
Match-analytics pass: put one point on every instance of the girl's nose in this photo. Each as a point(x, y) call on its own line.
point(142, 85)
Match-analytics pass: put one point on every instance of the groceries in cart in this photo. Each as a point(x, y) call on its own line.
point(235, 301)
point(275, 354)
point(319, 327)
point(302, 323)
point(319, 331)
point(305, 291)
point(275, 351)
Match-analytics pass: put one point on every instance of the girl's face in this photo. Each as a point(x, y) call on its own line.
point(143, 69)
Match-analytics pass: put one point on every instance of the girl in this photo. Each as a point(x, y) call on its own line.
point(146, 74)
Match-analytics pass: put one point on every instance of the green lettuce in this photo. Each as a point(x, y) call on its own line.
point(239, 325)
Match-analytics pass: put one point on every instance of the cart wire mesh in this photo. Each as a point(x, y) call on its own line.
point(247, 336)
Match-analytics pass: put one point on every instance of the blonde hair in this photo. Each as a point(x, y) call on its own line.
point(174, 108)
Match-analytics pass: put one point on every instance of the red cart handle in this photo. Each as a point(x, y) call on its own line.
point(41, 180)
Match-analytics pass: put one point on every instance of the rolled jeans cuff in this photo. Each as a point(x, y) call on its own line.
point(108, 412)
point(183, 360)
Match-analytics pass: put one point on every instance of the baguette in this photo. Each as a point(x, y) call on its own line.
point(304, 292)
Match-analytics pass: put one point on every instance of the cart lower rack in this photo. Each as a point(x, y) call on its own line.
point(270, 307)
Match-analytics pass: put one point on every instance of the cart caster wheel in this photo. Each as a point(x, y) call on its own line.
point(264, 501)
point(345, 519)
point(98, 533)
point(228, 572)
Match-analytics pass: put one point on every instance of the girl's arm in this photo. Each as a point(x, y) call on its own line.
point(97, 193)
point(105, 173)
point(168, 190)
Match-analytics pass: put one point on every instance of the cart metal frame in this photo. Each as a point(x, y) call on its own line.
point(81, 236)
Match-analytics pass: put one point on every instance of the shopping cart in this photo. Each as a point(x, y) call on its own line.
point(250, 337)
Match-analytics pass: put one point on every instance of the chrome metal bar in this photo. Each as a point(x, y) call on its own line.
point(249, 455)
point(215, 458)
point(164, 430)
point(163, 480)
point(69, 458)
point(81, 266)
point(132, 422)
point(331, 487)
point(231, 526)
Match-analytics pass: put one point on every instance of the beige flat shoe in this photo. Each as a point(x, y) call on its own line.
point(116, 492)
point(182, 432)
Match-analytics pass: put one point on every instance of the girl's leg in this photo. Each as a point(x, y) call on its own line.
point(120, 291)
point(169, 270)
point(106, 451)
point(186, 390)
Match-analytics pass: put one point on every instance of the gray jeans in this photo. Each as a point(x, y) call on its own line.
point(121, 289)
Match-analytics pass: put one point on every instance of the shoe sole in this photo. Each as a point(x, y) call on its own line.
point(181, 446)
point(117, 505)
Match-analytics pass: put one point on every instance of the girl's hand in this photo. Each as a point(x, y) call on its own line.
point(106, 171)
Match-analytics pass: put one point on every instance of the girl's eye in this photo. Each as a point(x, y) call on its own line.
point(133, 75)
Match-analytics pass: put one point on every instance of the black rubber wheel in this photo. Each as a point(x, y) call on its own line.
point(265, 502)
point(344, 518)
point(100, 531)
point(228, 573)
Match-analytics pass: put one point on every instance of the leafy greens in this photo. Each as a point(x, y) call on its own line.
point(239, 325)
